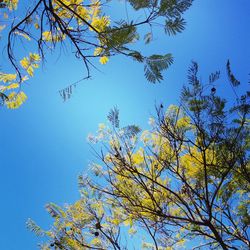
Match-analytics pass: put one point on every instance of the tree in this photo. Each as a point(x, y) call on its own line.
point(185, 182)
point(81, 25)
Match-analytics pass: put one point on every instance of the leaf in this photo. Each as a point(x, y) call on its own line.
point(34, 57)
point(154, 65)
point(15, 100)
point(13, 86)
point(33, 227)
point(231, 76)
point(174, 8)
point(192, 74)
point(113, 117)
point(54, 210)
point(95, 242)
point(67, 92)
point(139, 4)
point(24, 35)
point(104, 59)
point(7, 77)
point(172, 27)
point(214, 77)
point(131, 130)
point(3, 97)
point(148, 37)
point(30, 71)
point(136, 56)
point(117, 37)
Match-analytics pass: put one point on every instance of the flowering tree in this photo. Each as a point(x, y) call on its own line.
point(83, 26)
point(183, 183)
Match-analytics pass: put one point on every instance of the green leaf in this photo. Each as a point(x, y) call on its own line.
point(148, 37)
point(139, 4)
point(118, 36)
point(154, 66)
point(192, 74)
point(174, 26)
point(231, 76)
point(131, 130)
point(173, 8)
point(136, 56)
point(214, 77)
point(113, 117)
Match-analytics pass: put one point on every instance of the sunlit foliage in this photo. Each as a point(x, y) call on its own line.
point(182, 183)
point(85, 28)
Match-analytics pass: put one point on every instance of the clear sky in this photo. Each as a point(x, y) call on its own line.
point(43, 144)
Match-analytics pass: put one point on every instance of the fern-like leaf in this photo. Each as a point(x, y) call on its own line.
point(113, 117)
point(117, 37)
point(54, 210)
point(137, 56)
point(154, 65)
point(66, 93)
point(231, 76)
point(131, 130)
point(148, 37)
point(33, 227)
point(214, 77)
point(174, 26)
point(173, 8)
point(139, 4)
point(192, 74)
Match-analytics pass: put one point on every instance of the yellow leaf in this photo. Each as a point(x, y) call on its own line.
point(37, 26)
point(11, 4)
point(30, 70)
point(15, 100)
point(13, 86)
point(23, 35)
point(25, 63)
point(47, 36)
point(104, 59)
point(98, 51)
point(7, 77)
point(34, 57)
point(95, 242)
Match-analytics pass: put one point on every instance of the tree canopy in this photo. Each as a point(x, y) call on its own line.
point(182, 183)
point(86, 29)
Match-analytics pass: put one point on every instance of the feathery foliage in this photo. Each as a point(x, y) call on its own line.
point(184, 183)
point(154, 66)
point(83, 26)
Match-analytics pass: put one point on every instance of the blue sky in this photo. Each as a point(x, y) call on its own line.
point(43, 144)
